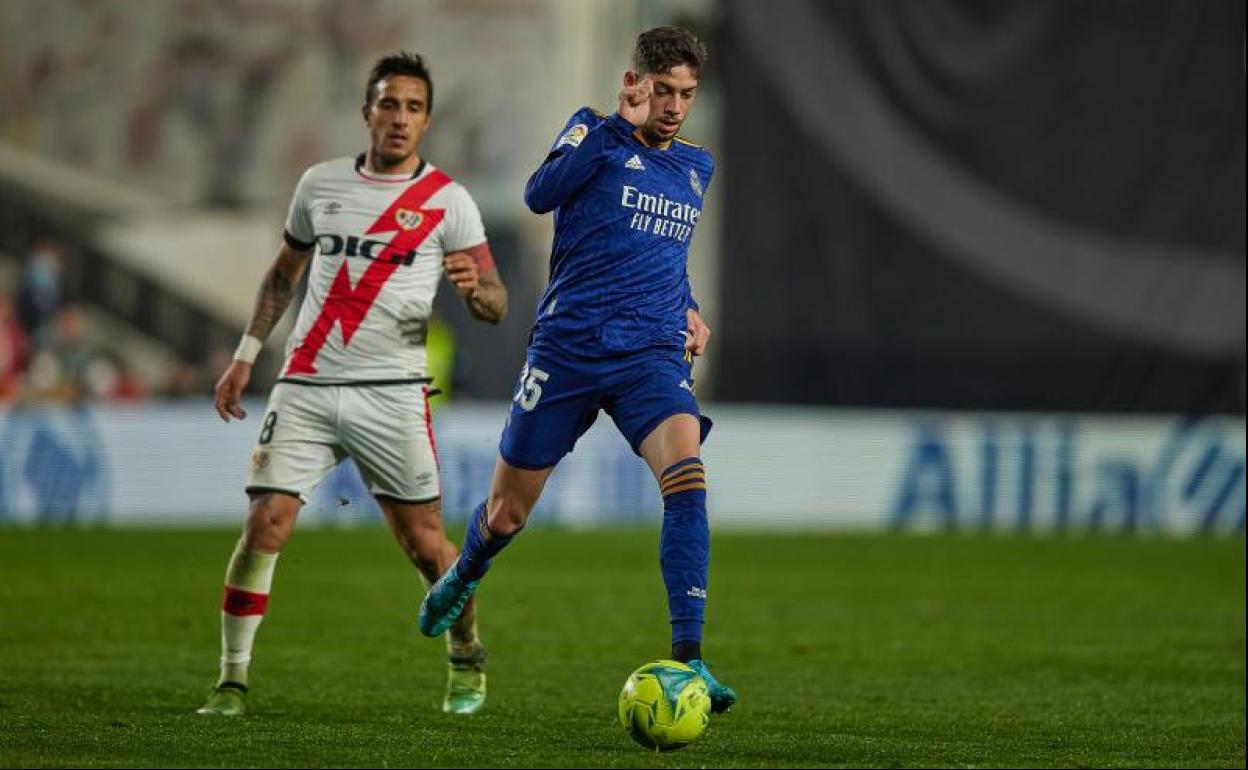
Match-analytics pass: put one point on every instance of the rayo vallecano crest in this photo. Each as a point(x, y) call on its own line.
point(408, 219)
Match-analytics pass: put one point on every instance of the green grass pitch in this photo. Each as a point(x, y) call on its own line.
point(847, 650)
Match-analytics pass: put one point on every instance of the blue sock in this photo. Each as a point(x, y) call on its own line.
point(685, 551)
point(481, 544)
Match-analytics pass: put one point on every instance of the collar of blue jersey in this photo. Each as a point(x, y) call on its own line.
point(642, 140)
point(359, 166)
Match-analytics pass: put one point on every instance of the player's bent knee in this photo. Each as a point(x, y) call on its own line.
point(507, 514)
point(513, 495)
point(420, 528)
point(270, 520)
point(428, 548)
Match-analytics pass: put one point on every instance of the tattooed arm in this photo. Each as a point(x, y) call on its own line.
point(489, 302)
point(276, 291)
point(475, 278)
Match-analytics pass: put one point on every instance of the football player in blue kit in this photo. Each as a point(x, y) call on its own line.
point(616, 330)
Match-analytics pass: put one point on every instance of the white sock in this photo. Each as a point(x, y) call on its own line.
point(248, 580)
point(464, 648)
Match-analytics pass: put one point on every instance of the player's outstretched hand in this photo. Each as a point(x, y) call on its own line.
point(461, 271)
point(635, 102)
point(699, 333)
point(229, 391)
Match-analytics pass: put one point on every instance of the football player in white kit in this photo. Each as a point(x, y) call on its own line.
point(379, 231)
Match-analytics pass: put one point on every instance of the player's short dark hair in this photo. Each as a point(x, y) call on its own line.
point(401, 63)
point(660, 49)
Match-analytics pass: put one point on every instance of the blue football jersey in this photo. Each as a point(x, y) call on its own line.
point(625, 213)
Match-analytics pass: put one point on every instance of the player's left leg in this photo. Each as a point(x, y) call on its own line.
point(556, 401)
point(389, 433)
point(419, 530)
point(672, 451)
point(494, 524)
point(651, 401)
point(294, 450)
point(248, 582)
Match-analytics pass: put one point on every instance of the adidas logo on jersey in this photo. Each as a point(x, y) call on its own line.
point(634, 163)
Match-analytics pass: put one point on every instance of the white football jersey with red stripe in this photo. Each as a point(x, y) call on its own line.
point(379, 246)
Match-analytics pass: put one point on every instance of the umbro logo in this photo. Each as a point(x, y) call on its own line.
point(635, 164)
point(333, 207)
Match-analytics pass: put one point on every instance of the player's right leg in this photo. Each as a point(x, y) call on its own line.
point(248, 581)
point(294, 451)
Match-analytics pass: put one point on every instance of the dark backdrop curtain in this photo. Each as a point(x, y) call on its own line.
point(997, 204)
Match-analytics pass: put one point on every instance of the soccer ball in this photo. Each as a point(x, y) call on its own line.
point(664, 705)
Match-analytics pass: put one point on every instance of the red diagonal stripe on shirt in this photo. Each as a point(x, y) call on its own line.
point(348, 305)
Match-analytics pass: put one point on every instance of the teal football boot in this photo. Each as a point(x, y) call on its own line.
point(723, 697)
point(444, 602)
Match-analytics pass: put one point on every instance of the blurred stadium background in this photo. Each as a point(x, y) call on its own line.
point(1026, 221)
point(971, 267)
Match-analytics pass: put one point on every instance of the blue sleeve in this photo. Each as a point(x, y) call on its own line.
point(690, 302)
point(577, 154)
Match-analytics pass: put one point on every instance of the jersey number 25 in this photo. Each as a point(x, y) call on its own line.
point(530, 389)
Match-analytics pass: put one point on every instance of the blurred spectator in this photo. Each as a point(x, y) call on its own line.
point(108, 378)
point(13, 348)
point(67, 367)
point(187, 380)
point(39, 295)
point(62, 353)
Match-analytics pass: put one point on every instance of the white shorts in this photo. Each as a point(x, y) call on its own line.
point(307, 430)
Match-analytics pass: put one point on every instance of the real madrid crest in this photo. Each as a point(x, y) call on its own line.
point(695, 183)
point(408, 219)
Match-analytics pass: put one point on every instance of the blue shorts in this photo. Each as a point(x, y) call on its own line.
point(559, 395)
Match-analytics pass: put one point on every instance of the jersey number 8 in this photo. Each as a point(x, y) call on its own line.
point(266, 430)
